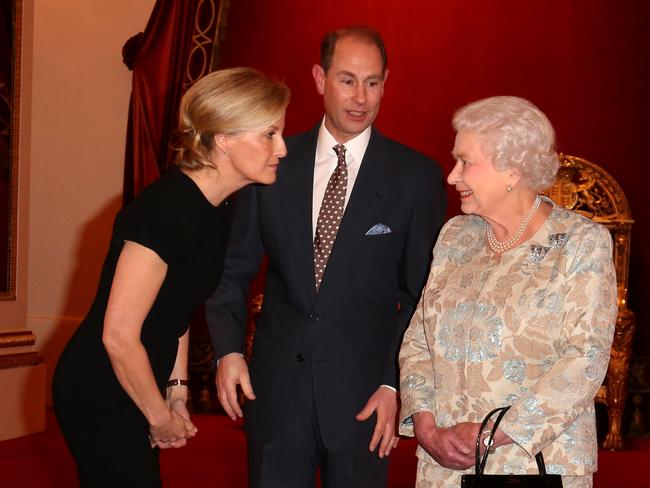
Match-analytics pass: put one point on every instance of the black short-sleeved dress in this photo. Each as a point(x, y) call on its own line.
point(106, 432)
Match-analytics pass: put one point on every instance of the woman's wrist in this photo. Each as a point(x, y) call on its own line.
point(501, 438)
point(424, 417)
point(160, 416)
point(423, 421)
point(177, 389)
point(176, 395)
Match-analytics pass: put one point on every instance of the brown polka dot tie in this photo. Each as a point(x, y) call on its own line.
point(330, 214)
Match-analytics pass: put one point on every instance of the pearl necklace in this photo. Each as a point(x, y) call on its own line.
point(502, 246)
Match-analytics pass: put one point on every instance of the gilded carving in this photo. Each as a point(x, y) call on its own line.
point(207, 35)
point(19, 360)
point(588, 189)
point(254, 309)
point(15, 339)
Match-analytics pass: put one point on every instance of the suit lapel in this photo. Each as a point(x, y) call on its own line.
point(364, 208)
point(295, 187)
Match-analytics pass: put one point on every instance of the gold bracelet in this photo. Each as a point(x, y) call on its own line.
point(177, 382)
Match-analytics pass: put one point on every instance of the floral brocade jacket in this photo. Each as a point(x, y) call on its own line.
point(531, 329)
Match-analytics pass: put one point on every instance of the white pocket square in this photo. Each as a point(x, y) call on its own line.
point(378, 229)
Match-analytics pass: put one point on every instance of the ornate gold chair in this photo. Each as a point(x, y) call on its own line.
point(254, 309)
point(588, 189)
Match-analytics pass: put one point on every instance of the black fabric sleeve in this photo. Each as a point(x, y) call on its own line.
point(155, 226)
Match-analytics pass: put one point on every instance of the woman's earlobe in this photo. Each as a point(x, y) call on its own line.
point(515, 176)
point(222, 143)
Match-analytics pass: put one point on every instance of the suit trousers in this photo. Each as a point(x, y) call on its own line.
point(296, 453)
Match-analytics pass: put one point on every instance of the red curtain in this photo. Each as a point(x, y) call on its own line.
point(176, 49)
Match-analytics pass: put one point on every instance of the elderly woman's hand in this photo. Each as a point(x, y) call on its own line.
point(448, 446)
point(467, 432)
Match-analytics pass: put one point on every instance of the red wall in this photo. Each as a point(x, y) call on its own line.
point(583, 62)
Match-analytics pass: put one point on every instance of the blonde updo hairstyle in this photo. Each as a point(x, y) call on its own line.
point(516, 135)
point(227, 101)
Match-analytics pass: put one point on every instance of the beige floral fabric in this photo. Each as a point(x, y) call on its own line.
point(430, 476)
point(531, 329)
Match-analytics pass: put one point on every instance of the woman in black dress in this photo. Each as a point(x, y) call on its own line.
point(120, 386)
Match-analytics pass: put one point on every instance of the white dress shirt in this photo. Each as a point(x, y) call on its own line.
point(326, 161)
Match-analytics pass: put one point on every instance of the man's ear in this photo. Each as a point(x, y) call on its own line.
point(319, 78)
point(383, 82)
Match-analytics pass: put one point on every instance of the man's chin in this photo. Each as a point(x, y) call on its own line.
point(353, 128)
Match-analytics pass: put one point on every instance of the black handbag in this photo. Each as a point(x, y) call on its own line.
point(480, 480)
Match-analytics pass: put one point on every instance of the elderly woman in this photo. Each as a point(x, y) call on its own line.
point(519, 309)
point(120, 386)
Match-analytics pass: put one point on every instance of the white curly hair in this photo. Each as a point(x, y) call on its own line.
point(516, 135)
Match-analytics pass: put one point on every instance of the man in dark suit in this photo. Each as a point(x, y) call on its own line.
point(348, 232)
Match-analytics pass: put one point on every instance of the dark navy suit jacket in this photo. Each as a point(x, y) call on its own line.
point(349, 332)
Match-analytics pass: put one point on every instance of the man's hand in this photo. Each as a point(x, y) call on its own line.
point(233, 371)
point(449, 447)
point(385, 402)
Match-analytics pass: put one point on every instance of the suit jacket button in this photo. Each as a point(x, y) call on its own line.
point(314, 316)
point(300, 357)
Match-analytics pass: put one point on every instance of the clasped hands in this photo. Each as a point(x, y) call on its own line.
point(452, 447)
point(233, 370)
point(175, 426)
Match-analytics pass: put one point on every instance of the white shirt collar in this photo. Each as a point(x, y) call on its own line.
point(355, 147)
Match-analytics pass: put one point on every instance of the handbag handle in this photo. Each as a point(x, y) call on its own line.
point(482, 460)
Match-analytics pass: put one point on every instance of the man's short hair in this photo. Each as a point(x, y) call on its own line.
point(361, 32)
